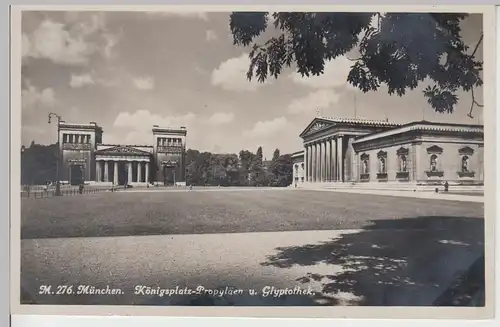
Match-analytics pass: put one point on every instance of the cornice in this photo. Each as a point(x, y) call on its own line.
point(424, 128)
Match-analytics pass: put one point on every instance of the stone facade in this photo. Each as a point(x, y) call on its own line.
point(84, 158)
point(298, 167)
point(363, 151)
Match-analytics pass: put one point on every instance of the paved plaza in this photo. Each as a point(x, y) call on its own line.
point(351, 249)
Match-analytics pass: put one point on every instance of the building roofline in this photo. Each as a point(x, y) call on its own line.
point(127, 145)
point(297, 153)
point(136, 151)
point(424, 126)
point(180, 130)
point(350, 122)
point(91, 126)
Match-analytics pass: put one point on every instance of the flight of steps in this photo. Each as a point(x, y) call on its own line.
point(391, 186)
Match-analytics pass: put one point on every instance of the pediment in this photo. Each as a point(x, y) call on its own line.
point(381, 154)
point(402, 151)
point(466, 151)
point(435, 149)
point(315, 126)
point(123, 150)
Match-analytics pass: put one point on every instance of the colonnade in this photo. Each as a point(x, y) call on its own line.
point(76, 138)
point(324, 160)
point(105, 165)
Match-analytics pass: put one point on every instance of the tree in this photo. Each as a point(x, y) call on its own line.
point(38, 164)
point(273, 168)
point(283, 170)
point(257, 171)
point(259, 156)
point(276, 155)
point(401, 50)
point(246, 159)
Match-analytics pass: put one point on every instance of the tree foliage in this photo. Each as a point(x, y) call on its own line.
point(401, 50)
point(243, 169)
point(38, 164)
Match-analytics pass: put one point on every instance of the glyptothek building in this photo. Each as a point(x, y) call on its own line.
point(85, 158)
point(358, 151)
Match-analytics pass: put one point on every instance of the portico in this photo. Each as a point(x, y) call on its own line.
point(342, 150)
point(86, 159)
point(123, 165)
point(328, 154)
point(324, 160)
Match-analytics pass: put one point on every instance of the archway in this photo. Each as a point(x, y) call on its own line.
point(76, 174)
point(169, 175)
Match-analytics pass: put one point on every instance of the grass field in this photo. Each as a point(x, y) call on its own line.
point(200, 212)
point(371, 250)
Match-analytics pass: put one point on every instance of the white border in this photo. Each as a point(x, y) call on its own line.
point(56, 321)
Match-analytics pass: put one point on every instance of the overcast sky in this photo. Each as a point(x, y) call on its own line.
point(128, 71)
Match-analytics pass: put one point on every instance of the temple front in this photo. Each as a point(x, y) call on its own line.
point(85, 158)
point(338, 150)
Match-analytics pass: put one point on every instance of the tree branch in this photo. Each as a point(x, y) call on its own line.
point(473, 102)
point(477, 45)
point(353, 59)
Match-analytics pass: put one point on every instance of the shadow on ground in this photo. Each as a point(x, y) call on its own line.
point(406, 262)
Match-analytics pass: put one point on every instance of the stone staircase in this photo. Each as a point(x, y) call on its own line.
point(392, 186)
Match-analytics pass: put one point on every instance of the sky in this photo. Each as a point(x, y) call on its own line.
point(128, 71)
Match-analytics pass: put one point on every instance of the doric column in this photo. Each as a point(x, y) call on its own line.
point(115, 173)
point(316, 164)
point(106, 171)
point(340, 156)
point(309, 163)
point(310, 169)
point(139, 172)
point(323, 163)
point(320, 161)
point(313, 165)
point(323, 157)
point(98, 171)
point(334, 158)
point(306, 151)
point(327, 165)
point(316, 150)
point(325, 160)
point(147, 172)
point(129, 168)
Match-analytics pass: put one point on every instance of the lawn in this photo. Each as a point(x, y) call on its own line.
point(229, 211)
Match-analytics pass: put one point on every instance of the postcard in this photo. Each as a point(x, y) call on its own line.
point(281, 161)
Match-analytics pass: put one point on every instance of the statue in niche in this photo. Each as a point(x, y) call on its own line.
point(382, 165)
point(365, 166)
point(465, 164)
point(403, 163)
point(433, 162)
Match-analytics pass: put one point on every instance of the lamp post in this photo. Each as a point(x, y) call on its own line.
point(58, 183)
